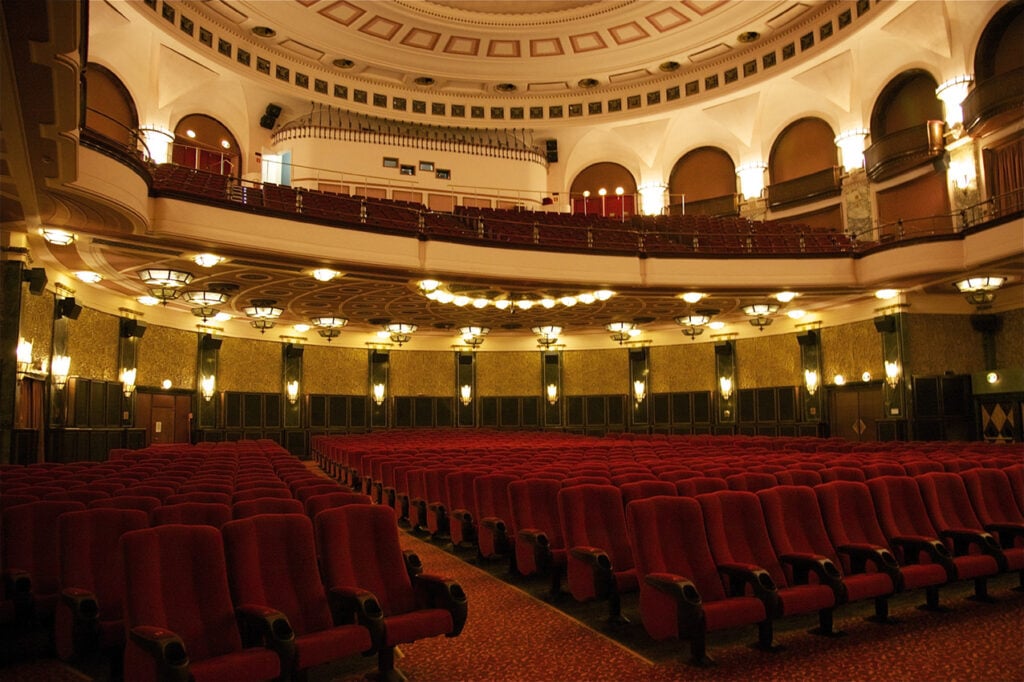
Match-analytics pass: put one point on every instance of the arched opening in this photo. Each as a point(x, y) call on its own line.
point(204, 143)
point(109, 108)
point(804, 163)
point(999, 52)
point(906, 126)
point(703, 182)
point(605, 189)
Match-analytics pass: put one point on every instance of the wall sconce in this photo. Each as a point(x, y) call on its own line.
point(811, 381)
point(128, 381)
point(60, 366)
point(24, 354)
point(725, 387)
point(892, 373)
point(751, 177)
point(552, 393)
point(952, 93)
point(851, 148)
point(378, 394)
point(207, 386)
point(466, 394)
point(292, 389)
point(639, 391)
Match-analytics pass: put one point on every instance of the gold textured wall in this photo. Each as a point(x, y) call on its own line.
point(249, 366)
point(683, 367)
point(850, 349)
point(166, 353)
point(766, 361)
point(426, 373)
point(508, 374)
point(92, 345)
point(596, 372)
point(335, 371)
point(1010, 341)
point(37, 323)
point(936, 344)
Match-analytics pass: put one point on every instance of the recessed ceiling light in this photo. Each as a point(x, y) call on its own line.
point(190, 133)
point(692, 296)
point(57, 236)
point(222, 317)
point(716, 325)
point(207, 260)
point(264, 31)
point(324, 274)
point(506, 87)
point(886, 294)
point(88, 276)
point(588, 83)
point(423, 80)
point(796, 314)
point(669, 66)
point(342, 63)
point(225, 144)
point(748, 36)
point(148, 300)
point(785, 296)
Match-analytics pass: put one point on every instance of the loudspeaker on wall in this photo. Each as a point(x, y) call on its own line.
point(269, 117)
point(552, 151)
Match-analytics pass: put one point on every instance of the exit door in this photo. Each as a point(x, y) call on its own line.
point(855, 412)
point(161, 425)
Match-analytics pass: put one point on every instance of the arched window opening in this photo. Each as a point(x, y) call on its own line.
point(109, 108)
point(605, 189)
point(804, 163)
point(906, 126)
point(703, 182)
point(204, 143)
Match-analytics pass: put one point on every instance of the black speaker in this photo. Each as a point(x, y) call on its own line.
point(986, 324)
point(132, 329)
point(66, 307)
point(207, 342)
point(808, 339)
point(885, 323)
point(36, 278)
point(269, 117)
point(552, 151)
point(293, 350)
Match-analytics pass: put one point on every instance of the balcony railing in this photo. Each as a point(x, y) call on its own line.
point(905, 149)
point(824, 183)
point(992, 100)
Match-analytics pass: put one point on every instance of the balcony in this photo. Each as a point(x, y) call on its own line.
point(824, 183)
point(903, 150)
point(994, 102)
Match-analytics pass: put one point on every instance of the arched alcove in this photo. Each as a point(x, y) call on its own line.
point(703, 182)
point(204, 143)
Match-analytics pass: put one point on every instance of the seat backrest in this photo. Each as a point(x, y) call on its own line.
point(158, 491)
point(921, 466)
point(876, 469)
point(667, 534)
point(901, 510)
point(359, 547)
point(798, 477)
point(30, 541)
point(195, 513)
point(593, 516)
point(266, 505)
point(271, 560)
point(751, 481)
point(460, 492)
point(691, 487)
point(198, 496)
point(140, 502)
point(318, 503)
point(244, 494)
point(637, 490)
point(176, 578)
point(307, 491)
point(794, 521)
point(492, 496)
point(945, 497)
point(842, 473)
point(90, 557)
point(534, 504)
point(848, 511)
point(991, 496)
point(737, 532)
point(1015, 474)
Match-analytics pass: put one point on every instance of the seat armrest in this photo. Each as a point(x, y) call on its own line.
point(882, 559)
point(803, 564)
point(356, 605)
point(438, 592)
point(494, 523)
point(534, 536)
point(83, 603)
point(77, 623)
point(759, 580)
point(914, 545)
point(1007, 532)
point(690, 619)
point(600, 565)
point(413, 564)
point(167, 650)
point(965, 538)
point(264, 626)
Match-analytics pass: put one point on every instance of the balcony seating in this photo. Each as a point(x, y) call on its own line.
point(360, 552)
point(196, 635)
point(272, 564)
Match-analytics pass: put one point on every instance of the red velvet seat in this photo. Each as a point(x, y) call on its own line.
point(435, 501)
point(599, 560)
point(739, 539)
point(140, 502)
point(462, 511)
point(691, 487)
point(192, 513)
point(271, 562)
point(89, 614)
point(199, 496)
point(494, 524)
point(318, 503)
point(304, 492)
point(194, 635)
point(842, 473)
point(992, 498)
point(241, 495)
point(876, 469)
point(751, 481)
point(1015, 474)
point(539, 541)
point(360, 551)
point(904, 519)
point(682, 594)
point(82, 495)
point(637, 490)
point(30, 547)
point(796, 527)
point(266, 505)
point(806, 477)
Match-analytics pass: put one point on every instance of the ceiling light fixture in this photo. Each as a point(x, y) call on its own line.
point(622, 331)
point(887, 294)
point(547, 334)
point(263, 309)
point(980, 291)
point(785, 296)
point(88, 276)
point(165, 277)
point(57, 236)
point(324, 274)
point(693, 325)
point(400, 332)
point(207, 260)
point(760, 313)
point(205, 298)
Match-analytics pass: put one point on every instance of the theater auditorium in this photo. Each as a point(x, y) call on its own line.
point(512, 340)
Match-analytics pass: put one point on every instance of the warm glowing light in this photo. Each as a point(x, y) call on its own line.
point(524, 304)
point(158, 143)
point(811, 381)
point(992, 377)
point(851, 148)
point(56, 236)
point(207, 260)
point(586, 298)
point(481, 303)
point(222, 317)
point(892, 373)
point(148, 300)
point(225, 144)
point(128, 381)
point(568, 301)
point(302, 328)
point(552, 393)
point(785, 296)
point(207, 386)
point(292, 389)
point(324, 274)
point(461, 301)
point(619, 191)
point(190, 133)
point(24, 355)
point(428, 284)
point(378, 394)
point(165, 278)
point(166, 384)
point(986, 283)
point(603, 294)
point(652, 198)
point(639, 390)
point(602, 192)
point(60, 367)
point(751, 177)
point(952, 93)
point(887, 294)
point(548, 302)
point(716, 325)
point(88, 276)
point(725, 387)
point(466, 394)
point(865, 377)
point(796, 314)
point(692, 296)
point(839, 380)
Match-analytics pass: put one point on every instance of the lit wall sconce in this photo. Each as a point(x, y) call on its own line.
point(60, 367)
point(292, 389)
point(865, 377)
point(892, 373)
point(811, 381)
point(839, 380)
point(652, 197)
point(466, 394)
point(992, 377)
point(751, 177)
point(378, 394)
point(639, 391)
point(128, 381)
point(952, 93)
point(552, 393)
point(24, 354)
point(851, 148)
point(725, 387)
point(207, 386)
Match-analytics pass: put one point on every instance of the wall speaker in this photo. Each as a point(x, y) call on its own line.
point(293, 350)
point(885, 323)
point(36, 278)
point(808, 339)
point(66, 307)
point(986, 324)
point(269, 117)
point(207, 342)
point(552, 151)
point(132, 329)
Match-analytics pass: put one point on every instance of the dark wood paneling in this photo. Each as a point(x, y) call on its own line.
point(701, 407)
point(444, 412)
point(252, 410)
point(508, 412)
point(662, 408)
point(531, 411)
point(317, 411)
point(272, 410)
point(766, 408)
point(787, 403)
point(596, 413)
point(233, 410)
point(403, 411)
point(746, 405)
point(489, 412)
point(574, 408)
point(423, 411)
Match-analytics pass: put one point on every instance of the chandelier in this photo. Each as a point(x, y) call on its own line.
point(622, 331)
point(980, 291)
point(548, 334)
point(400, 332)
point(329, 327)
point(163, 277)
point(760, 312)
point(205, 297)
point(693, 325)
point(473, 335)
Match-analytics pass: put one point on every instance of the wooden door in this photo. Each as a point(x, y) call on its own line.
point(854, 412)
point(161, 424)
